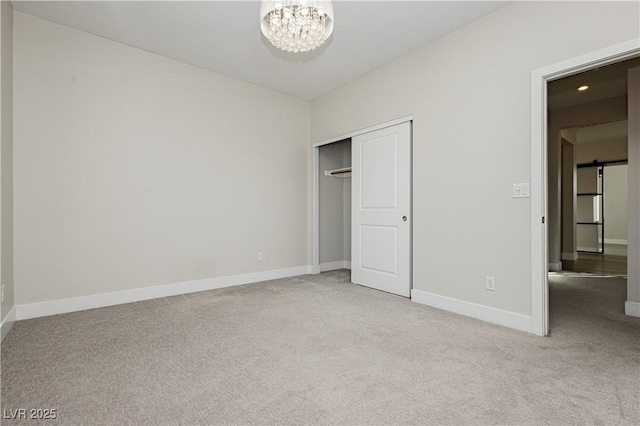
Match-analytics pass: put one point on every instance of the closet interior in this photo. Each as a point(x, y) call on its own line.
point(334, 168)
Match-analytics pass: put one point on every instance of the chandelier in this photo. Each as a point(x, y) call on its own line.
point(296, 25)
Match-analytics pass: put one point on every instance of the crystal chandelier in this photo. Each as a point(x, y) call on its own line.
point(296, 25)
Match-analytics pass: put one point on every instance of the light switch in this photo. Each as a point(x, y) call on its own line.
point(521, 190)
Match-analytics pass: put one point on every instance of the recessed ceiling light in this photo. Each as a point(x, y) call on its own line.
point(583, 88)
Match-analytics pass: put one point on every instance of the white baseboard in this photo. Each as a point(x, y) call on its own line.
point(632, 309)
point(7, 323)
point(474, 310)
point(588, 250)
point(611, 241)
point(615, 241)
point(555, 267)
point(332, 266)
point(61, 306)
point(570, 256)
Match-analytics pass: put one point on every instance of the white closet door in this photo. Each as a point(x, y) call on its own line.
point(381, 208)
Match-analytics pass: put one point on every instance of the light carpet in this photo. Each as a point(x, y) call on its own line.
point(317, 350)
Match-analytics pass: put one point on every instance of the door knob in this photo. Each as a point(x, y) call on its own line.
point(404, 218)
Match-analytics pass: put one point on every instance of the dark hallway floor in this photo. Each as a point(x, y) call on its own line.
point(608, 264)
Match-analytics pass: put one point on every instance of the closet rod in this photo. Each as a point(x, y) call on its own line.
point(343, 172)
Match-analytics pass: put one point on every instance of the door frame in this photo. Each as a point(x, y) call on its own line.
point(316, 181)
point(539, 165)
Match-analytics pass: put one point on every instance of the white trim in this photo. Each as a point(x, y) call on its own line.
point(538, 192)
point(555, 267)
point(316, 269)
point(632, 309)
point(61, 306)
point(615, 241)
point(539, 79)
point(473, 310)
point(570, 256)
point(365, 130)
point(7, 323)
point(588, 250)
point(332, 266)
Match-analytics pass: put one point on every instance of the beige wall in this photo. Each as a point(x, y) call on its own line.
point(6, 155)
point(615, 202)
point(568, 191)
point(633, 232)
point(469, 93)
point(134, 170)
point(614, 149)
point(568, 194)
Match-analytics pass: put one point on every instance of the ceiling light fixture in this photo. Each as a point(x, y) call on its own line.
point(583, 88)
point(296, 25)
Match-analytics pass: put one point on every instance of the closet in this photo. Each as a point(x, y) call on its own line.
point(362, 207)
point(334, 193)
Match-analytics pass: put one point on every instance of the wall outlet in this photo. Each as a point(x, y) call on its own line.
point(260, 256)
point(490, 283)
point(1, 293)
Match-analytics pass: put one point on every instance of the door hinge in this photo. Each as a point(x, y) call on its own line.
point(542, 219)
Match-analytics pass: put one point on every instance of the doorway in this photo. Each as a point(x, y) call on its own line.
point(601, 219)
point(594, 185)
point(540, 157)
point(362, 206)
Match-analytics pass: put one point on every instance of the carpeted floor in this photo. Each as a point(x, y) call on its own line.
point(318, 350)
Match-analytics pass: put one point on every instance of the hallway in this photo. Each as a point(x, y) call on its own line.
point(606, 264)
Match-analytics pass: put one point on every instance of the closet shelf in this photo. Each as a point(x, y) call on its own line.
point(344, 172)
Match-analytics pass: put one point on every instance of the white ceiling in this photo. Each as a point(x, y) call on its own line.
point(603, 132)
point(606, 82)
point(224, 36)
